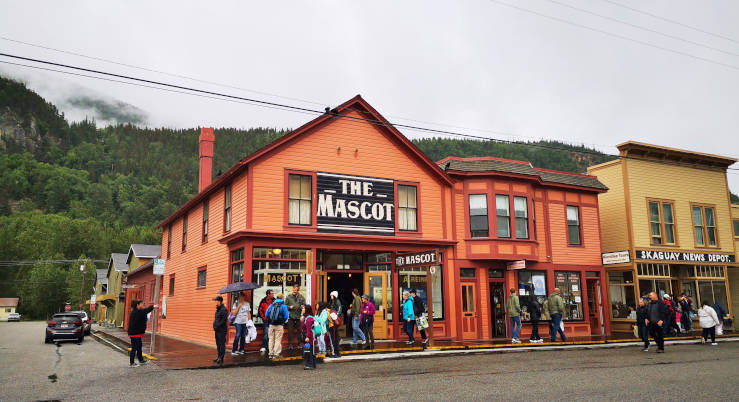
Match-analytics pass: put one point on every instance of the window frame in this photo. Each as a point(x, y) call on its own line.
point(169, 240)
point(623, 286)
point(579, 226)
point(184, 232)
point(524, 299)
point(525, 218)
point(227, 208)
point(206, 216)
point(312, 177)
point(497, 217)
point(735, 229)
point(704, 227)
point(571, 299)
point(171, 289)
point(487, 215)
point(415, 186)
point(660, 202)
point(204, 269)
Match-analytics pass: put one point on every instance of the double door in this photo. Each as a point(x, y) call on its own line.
point(376, 285)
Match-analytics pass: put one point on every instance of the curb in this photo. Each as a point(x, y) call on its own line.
point(117, 344)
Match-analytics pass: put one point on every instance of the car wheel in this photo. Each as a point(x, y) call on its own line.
point(47, 339)
point(82, 338)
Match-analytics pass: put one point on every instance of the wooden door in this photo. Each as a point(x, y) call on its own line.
point(469, 310)
point(595, 308)
point(375, 285)
point(322, 287)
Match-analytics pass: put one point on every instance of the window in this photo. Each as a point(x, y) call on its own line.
point(573, 225)
point(495, 273)
point(104, 289)
point(623, 297)
point(169, 240)
point(237, 265)
point(568, 283)
point(227, 209)
point(184, 233)
point(479, 215)
point(704, 225)
point(661, 222)
point(521, 212)
point(343, 261)
point(712, 292)
point(201, 277)
point(407, 208)
point(467, 272)
point(171, 285)
point(531, 285)
point(278, 270)
point(382, 262)
point(503, 213)
point(736, 227)
point(206, 206)
point(415, 278)
point(299, 199)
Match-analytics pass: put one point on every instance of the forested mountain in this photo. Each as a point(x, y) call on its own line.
point(74, 190)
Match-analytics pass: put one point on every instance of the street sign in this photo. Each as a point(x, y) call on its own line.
point(158, 266)
point(92, 306)
point(67, 307)
point(93, 299)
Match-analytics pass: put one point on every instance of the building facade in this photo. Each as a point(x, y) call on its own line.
point(139, 280)
point(666, 227)
point(734, 273)
point(8, 305)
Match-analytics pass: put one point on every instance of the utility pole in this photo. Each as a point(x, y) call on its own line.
point(82, 286)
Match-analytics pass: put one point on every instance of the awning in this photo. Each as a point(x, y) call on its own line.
point(103, 298)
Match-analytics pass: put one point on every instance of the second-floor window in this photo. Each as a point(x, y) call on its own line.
point(299, 199)
point(661, 222)
point(169, 240)
point(736, 227)
point(704, 225)
point(573, 225)
point(503, 213)
point(521, 212)
point(227, 210)
point(206, 206)
point(202, 272)
point(407, 208)
point(184, 233)
point(479, 215)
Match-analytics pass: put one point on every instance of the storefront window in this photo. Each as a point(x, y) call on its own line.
point(568, 283)
point(531, 284)
point(415, 278)
point(343, 261)
point(277, 270)
point(661, 286)
point(621, 289)
point(712, 292)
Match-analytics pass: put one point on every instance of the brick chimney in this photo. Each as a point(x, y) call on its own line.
point(206, 141)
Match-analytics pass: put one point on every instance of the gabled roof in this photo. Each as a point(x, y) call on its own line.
point(142, 268)
point(453, 164)
point(635, 149)
point(101, 276)
point(8, 302)
point(118, 262)
point(143, 251)
point(355, 104)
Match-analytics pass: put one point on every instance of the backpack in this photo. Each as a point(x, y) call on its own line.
point(275, 315)
point(319, 327)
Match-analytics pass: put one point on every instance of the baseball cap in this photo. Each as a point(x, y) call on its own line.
point(218, 298)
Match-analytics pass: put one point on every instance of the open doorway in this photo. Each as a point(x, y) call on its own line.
point(343, 283)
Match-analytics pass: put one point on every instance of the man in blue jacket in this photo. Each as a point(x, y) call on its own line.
point(277, 314)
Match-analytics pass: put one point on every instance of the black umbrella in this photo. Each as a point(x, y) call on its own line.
point(238, 287)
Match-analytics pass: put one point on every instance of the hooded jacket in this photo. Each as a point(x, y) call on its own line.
point(408, 310)
point(278, 303)
point(220, 322)
point(707, 317)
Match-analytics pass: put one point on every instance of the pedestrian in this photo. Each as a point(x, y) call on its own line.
point(556, 309)
point(545, 314)
point(667, 300)
point(242, 310)
point(709, 320)
point(514, 312)
point(686, 307)
point(356, 310)
point(335, 311)
point(294, 302)
point(220, 327)
point(321, 319)
point(277, 316)
point(137, 329)
point(409, 317)
point(535, 315)
point(419, 309)
point(720, 312)
point(657, 313)
point(642, 322)
point(309, 339)
point(264, 304)
point(367, 318)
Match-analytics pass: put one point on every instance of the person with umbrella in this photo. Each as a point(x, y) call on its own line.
point(242, 314)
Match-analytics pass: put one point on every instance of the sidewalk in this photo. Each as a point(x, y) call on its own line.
point(174, 354)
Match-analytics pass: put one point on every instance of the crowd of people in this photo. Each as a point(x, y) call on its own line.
point(552, 309)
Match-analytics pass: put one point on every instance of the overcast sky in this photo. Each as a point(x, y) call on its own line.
point(497, 71)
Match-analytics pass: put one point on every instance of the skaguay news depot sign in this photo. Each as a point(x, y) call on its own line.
point(355, 204)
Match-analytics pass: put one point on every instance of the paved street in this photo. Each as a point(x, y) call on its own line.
point(95, 371)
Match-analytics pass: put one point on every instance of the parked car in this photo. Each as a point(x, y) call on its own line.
point(14, 317)
point(67, 326)
point(87, 323)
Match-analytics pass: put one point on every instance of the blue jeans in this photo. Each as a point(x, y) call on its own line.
point(240, 337)
point(667, 326)
point(356, 331)
point(556, 321)
point(265, 337)
point(136, 349)
point(409, 327)
point(644, 334)
point(515, 326)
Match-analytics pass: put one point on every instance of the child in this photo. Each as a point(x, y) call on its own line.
point(641, 323)
point(309, 356)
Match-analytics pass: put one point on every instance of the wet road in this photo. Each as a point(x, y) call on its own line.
point(93, 371)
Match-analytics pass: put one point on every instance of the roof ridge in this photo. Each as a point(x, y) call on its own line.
point(483, 158)
point(563, 172)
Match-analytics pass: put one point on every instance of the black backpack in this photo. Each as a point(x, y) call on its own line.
point(275, 315)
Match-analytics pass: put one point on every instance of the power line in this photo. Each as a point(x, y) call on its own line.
point(615, 3)
point(582, 10)
point(564, 21)
point(221, 96)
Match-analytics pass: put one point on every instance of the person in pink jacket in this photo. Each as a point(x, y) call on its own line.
point(367, 318)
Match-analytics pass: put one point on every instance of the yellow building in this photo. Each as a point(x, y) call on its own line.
point(734, 273)
point(101, 288)
point(8, 305)
point(114, 298)
point(666, 226)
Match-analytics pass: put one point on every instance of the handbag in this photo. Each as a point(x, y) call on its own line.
point(231, 318)
point(720, 329)
point(422, 322)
